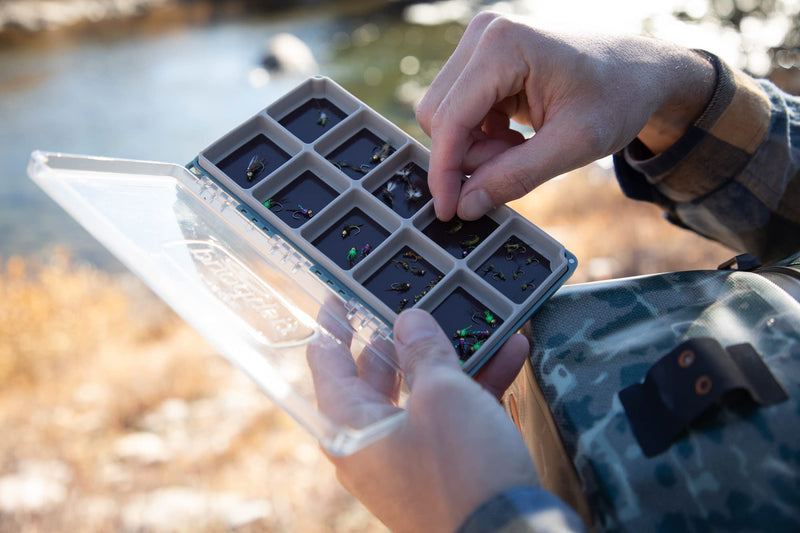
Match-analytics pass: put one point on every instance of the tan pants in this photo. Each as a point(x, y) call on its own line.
point(527, 407)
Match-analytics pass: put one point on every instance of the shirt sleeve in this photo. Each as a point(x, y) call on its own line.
point(735, 175)
point(523, 510)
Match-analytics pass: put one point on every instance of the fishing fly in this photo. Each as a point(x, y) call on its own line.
point(455, 228)
point(512, 249)
point(484, 317)
point(302, 212)
point(413, 193)
point(399, 287)
point(380, 154)
point(402, 305)
point(351, 229)
point(255, 166)
point(413, 256)
point(470, 242)
point(273, 205)
point(416, 271)
point(387, 193)
point(461, 333)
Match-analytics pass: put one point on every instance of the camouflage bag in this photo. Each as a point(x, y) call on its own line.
point(704, 363)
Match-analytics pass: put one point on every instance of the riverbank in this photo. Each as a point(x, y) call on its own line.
point(40, 23)
point(24, 22)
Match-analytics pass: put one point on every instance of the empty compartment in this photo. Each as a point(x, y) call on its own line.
point(468, 322)
point(404, 279)
point(515, 269)
point(460, 237)
point(405, 191)
point(365, 143)
point(351, 238)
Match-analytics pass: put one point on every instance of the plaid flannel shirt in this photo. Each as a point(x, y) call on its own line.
point(733, 177)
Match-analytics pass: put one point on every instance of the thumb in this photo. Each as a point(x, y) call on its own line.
point(421, 345)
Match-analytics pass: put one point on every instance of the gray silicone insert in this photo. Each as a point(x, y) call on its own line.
point(348, 190)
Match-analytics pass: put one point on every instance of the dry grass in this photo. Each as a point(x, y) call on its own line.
point(611, 235)
point(86, 358)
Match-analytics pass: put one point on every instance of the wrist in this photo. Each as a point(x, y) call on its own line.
point(691, 84)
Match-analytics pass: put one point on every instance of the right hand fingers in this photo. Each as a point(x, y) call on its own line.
point(474, 96)
point(504, 173)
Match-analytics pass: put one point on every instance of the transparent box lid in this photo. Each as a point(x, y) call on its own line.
point(242, 287)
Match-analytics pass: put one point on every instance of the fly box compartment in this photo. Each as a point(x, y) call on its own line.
point(308, 224)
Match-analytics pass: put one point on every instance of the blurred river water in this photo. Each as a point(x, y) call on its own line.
point(165, 95)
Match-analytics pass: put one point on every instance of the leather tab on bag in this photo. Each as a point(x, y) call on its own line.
point(742, 262)
point(689, 380)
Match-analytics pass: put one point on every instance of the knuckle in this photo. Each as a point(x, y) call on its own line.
point(500, 29)
point(482, 20)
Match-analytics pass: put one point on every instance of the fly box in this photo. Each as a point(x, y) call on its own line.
point(315, 211)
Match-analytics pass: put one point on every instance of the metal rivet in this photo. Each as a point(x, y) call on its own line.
point(702, 385)
point(686, 358)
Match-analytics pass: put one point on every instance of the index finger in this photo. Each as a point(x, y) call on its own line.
point(462, 112)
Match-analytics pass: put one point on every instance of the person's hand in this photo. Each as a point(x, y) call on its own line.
point(454, 447)
point(586, 96)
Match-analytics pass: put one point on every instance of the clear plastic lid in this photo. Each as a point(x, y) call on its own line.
point(254, 298)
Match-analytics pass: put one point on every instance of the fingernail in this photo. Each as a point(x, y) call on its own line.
point(413, 325)
point(475, 204)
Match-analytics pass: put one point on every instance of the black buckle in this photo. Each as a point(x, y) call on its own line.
point(689, 380)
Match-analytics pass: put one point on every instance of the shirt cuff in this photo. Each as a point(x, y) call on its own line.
point(711, 153)
point(523, 509)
